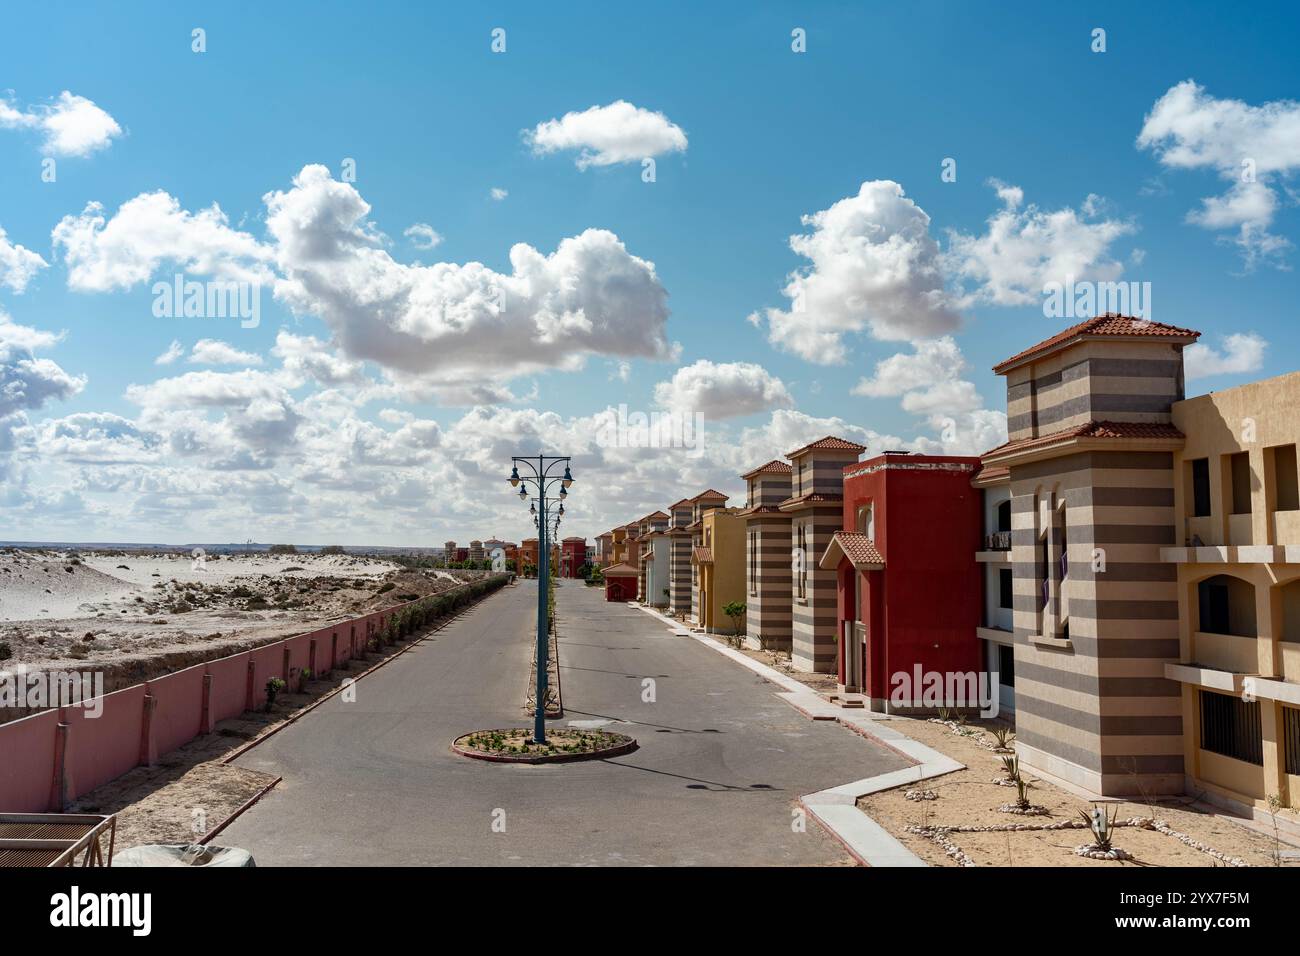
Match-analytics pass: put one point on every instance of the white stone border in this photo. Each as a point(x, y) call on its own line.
point(836, 807)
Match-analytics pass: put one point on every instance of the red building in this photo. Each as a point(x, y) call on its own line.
point(620, 583)
point(909, 593)
point(573, 555)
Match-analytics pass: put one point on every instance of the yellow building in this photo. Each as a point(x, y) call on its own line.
point(1237, 502)
point(718, 570)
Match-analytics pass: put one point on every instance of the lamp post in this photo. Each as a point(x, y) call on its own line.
point(542, 478)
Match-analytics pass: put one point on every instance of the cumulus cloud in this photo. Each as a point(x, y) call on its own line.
point(98, 438)
point(28, 382)
point(1026, 247)
point(1250, 147)
point(498, 194)
point(929, 382)
point(216, 352)
point(607, 135)
point(1240, 352)
point(17, 264)
point(149, 232)
point(422, 235)
point(305, 357)
point(459, 324)
point(72, 125)
point(725, 390)
point(874, 267)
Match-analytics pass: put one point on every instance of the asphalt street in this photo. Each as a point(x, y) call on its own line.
point(721, 762)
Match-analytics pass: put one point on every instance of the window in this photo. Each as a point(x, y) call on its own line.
point(1240, 469)
point(1227, 606)
point(753, 562)
point(803, 563)
point(1006, 665)
point(1004, 516)
point(1291, 740)
point(1004, 588)
point(1230, 727)
point(866, 521)
point(1285, 490)
point(1201, 488)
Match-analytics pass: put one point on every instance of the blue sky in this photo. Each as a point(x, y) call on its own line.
point(435, 120)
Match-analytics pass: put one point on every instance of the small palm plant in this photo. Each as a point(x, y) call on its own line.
point(1022, 793)
point(1102, 824)
point(1011, 767)
point(1002, 736)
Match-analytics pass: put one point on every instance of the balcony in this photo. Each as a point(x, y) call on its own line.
point(998, 541)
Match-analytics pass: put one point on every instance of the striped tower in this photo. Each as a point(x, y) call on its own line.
point(767, 558)
point(679, 558)
point(1090, 453)
point(647, 528)
point(701, 505)
point(815, 511)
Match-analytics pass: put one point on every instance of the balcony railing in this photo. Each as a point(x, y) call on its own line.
point(998, 541)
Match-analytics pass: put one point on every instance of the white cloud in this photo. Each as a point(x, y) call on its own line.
point(498, 194)
point(216, 352)
point(17, 264)
point(874, 267)
point(606, 135)
point(726, 390)
point(460, 325)
point(27, 382)
point(151, 231)
point(1241, 352)
point(1248, 146)
point(1023, 249)
point(930, 384)
point(99, 438)
point(73, 125)
point(174, 351)
point(422, 235)
point(305, 357)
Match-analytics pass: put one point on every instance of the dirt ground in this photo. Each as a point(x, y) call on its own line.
point(970, 798)
point(132, 616)
point(780, 660)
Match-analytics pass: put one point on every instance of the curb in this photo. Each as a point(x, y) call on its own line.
point(620, 751)
point(835, 808)
point(207, 837)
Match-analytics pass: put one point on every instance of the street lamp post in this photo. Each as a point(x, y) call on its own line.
point(542, 479)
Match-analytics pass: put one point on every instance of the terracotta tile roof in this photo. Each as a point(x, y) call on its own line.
point(621, 571)
point(709, 494)
point(654, 514)
point(677, 504)
point(774, 467)
point(829, 443)
point(811, 498)
point(1103, 326)
point(759, 510)
point(854, 545)
point(1129, 430)
point(702, 555)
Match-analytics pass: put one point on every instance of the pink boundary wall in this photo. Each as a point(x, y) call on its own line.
point(51, 758)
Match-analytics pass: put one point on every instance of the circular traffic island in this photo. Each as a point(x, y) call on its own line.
point(516, 745)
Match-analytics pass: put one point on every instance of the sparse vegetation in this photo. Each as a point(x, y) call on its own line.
point(273, 688)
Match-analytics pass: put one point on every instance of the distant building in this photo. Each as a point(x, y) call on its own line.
point(573, 554)
point(767, 557)
point(719, 567)
point(476, 551)
point(648, 528)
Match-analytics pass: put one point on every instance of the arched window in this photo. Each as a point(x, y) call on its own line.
point(866, 521)
point(1227, 606)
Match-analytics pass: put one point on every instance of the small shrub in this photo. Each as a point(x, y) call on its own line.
point(385, 588)
point(273, 688)
point(6, 651)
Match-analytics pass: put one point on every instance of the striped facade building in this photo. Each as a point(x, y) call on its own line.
point(679, 558)
point(701, 505)
point(1095, 617)
point(815, 512)
point(647, 527)
point(767, 558)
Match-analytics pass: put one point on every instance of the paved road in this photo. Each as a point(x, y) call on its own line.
point(721, 760)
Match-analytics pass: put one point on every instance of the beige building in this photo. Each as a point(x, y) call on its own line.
point(1237, 560)
point(701, 505)
point(719, 568)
